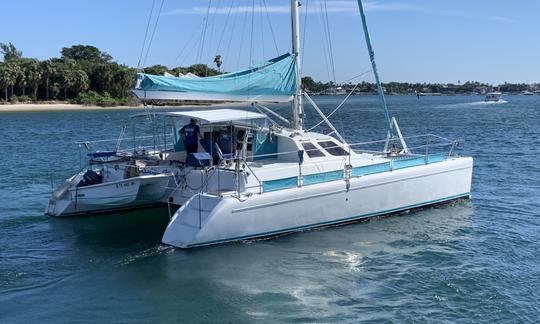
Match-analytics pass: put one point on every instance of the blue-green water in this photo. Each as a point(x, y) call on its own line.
point(466, 261)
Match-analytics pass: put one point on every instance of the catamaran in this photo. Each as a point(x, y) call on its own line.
point(281, 179)
point(258, 174)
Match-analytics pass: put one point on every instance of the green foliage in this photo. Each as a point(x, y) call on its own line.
point(102, 100)
point(80, 69)
point(10, 52)
point(85, 53)
point(202, 70)
point(156, 69)
point(408, 88)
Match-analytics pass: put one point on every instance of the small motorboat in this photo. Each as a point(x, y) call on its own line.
point(493, 97)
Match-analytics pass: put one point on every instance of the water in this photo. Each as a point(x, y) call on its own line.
point(466, 261)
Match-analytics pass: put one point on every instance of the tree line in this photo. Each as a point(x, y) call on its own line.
point(407, 88)
point(82, 74)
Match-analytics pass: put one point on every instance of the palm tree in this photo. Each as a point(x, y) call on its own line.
point(67, 81)
point(48, 69)
point(34, 75)
point(81, 82)
point(15, 71)
point(4, 79)
point(8, 77)
point(218, 62)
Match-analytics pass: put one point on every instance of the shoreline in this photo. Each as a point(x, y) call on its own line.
point(18, 107)
point(51, 107)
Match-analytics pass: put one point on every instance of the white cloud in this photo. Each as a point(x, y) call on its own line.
point(335, 6)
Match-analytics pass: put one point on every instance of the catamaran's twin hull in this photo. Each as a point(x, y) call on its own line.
point(207, 219)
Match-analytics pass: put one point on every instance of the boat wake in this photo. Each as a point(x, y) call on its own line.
point(473, 104)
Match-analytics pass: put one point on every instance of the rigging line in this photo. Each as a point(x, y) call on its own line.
point(195, 32)
point(329, 42)
point(224, 27)
point(153, 32)
point(251, 42)
point(260, 111)
point(324, 44)
point(304, 37)
point(211, 38)
point(199, 56)
point(146, 33)
point(271, 28)
point(341, 82)
point(230, 38)
point(262, 31)
point(190, 51)
point(339, 106)
point(357, 76)
point(244, 22)
point(251, 36)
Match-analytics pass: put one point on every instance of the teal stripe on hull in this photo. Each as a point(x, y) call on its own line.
point(334, 222)
point(370, 169)
point(280, 184)
point(310, 179)
point(322, 177)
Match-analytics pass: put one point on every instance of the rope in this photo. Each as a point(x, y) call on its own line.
point(212, 24)
point(230, 37)
point(242, 38)
point(329, 43)
point(324, 44)
point(146, 33)
point(354, 77)
point(153, 33)
point(271, 28)
point(203, 36)
point(195, 32)
point(339, 106)
point(304, 36)
point(224, 27)
point(251, 35)
point(262, 31)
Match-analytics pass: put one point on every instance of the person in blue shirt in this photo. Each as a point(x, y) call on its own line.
point(190, 134)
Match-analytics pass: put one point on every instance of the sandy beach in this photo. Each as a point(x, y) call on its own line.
point(48, 107)
point(54, 107)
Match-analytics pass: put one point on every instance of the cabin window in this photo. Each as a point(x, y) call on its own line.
point(333, 148)
point(311, 150)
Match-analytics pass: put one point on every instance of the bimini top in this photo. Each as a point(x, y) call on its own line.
point(272, 81)
point(209, 116)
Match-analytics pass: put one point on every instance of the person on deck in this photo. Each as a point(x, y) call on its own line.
point(190, 134)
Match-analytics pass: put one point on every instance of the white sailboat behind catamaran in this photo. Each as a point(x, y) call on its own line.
point(253, 178)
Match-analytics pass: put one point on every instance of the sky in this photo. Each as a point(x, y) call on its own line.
point(414, 40)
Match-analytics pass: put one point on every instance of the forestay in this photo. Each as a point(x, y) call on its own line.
point(273, 81)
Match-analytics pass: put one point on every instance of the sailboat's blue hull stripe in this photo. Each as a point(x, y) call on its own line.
point(309, 179)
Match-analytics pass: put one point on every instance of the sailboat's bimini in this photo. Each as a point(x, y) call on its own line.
point(253, 178)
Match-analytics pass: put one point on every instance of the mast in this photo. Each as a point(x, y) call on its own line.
point(297, 109)
point(374, 68)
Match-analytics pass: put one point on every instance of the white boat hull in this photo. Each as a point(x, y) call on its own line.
point(207, 219)
point(107, 197)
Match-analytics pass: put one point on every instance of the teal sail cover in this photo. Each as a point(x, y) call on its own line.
point(273, 80)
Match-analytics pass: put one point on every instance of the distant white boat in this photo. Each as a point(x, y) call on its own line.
point(527, 93)
point(493, 97)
